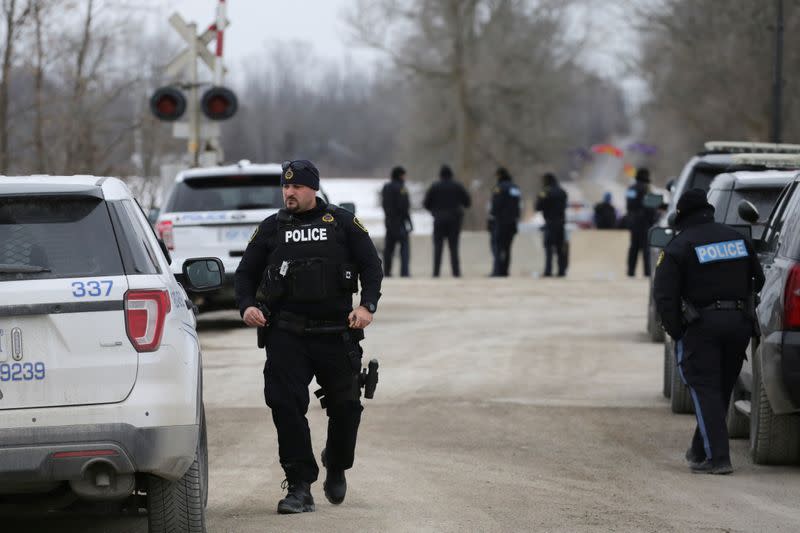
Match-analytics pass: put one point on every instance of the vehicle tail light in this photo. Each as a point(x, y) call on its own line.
point(164, 232)
point(145, 313)
point(791, 299)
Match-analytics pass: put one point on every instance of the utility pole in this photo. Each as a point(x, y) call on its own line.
point(777, 88)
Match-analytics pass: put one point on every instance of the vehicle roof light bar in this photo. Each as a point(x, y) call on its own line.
point(787, 161)
point(748, 147)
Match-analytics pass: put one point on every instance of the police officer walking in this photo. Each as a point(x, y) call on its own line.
point(504, 215)
point(296, 281)
point(704, 285)
point(640, 218)
point(397, 219)
point(446, 200)
point(552, 202)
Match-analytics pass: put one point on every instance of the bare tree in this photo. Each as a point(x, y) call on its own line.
point(14, 19)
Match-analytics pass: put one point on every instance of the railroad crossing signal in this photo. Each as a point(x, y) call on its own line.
point(217, 103)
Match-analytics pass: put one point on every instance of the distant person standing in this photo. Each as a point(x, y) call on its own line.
point(640, 218)
point(552, 202)
point(446, 200)
point(605, 215)
point(504, 216)
point(397, 218)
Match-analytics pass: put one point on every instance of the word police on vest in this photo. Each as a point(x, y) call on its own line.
point(308, 234)
point(721, 251)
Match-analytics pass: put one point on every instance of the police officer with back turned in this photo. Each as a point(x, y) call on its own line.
point(704, 289)
point(504, 216)
point(640, 218)
point(296, 281)
point(397, 217)
point(446, 200)
point(552, 202)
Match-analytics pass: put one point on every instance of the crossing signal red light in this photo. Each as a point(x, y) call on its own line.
point(219, 103)
point(168, 103)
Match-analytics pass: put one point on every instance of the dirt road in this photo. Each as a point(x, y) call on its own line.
point(517, 404)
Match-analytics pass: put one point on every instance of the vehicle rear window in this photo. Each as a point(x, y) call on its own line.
point(227, 193)
point(56, 237)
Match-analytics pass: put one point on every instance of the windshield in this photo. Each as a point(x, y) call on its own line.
point(227, 193)
point(49, 237)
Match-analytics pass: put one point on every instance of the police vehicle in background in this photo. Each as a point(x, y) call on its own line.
point(715, 158)
point(726, 192)
point(766, 400)
point(213, 212)
point(100, 366)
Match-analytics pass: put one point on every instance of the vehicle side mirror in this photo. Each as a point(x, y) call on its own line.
point(671, 185)
point(744, 229)
point(202, 274)
point(165, 250)
point(747, 211)
point(152, 216)
point(671, 219)
point(660, 237)
point(653, 201)
point(349, 206)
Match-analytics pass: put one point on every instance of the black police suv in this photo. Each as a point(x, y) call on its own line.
point(768, 391)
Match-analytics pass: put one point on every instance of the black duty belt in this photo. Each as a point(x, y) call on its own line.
point(301, 325)
point(725, 305)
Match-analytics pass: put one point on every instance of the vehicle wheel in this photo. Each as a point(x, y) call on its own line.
point(668, 364)
point(179, 507)
point(680, 398)
point(738, 424)
point(774, 439)
point(654, 328)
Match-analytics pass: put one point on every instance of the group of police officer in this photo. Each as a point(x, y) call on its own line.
point(297, 276)
point(447, 199)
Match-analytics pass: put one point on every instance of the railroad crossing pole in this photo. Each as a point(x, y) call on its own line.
point(216, 103)
point(777, 90)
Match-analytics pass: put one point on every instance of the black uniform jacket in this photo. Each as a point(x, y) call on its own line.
point(505, 203)
point(396, 206)
point(638, 214)
point(446, 200)
point(705, 262)
point(552, 202)
point(361, 251)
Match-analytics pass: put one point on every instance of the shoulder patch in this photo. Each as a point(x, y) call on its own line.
point(403, 191)
point(542, 194)
point(360, 225)
point(721, 251)
point(660, 259)
point(327, 217)
point(496, 190)
point(253, 236)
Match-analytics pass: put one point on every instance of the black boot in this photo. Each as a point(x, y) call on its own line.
point(335, 485)
point(298, 499)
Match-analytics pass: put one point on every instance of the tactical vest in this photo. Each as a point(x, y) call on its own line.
point(310, 262)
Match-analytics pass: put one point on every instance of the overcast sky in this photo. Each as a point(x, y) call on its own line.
point(257, 23)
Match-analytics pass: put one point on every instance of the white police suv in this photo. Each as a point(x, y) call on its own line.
point(100, 364)
point(213, 212)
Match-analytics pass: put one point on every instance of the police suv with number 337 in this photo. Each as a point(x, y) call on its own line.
point(100, 364)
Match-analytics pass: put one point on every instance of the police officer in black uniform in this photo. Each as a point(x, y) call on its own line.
point(296, 281)
point(640, 219)
point(397, 218)
point(552, 202)
point(446, 200)
point(704, 285)
point(504, 215)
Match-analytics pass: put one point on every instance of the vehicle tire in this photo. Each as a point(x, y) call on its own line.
point(774, 439)
point(738, 424)
point(179, 506)
point(668, 364)
point(654, 328)
point(680, 400)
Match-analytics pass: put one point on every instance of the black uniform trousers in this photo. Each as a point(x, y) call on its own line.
point(292, 361)
point(554, 244)
point(393, 238)
point(638, 244)
point(502, 237)
point(709, 358)
point(446, 228)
